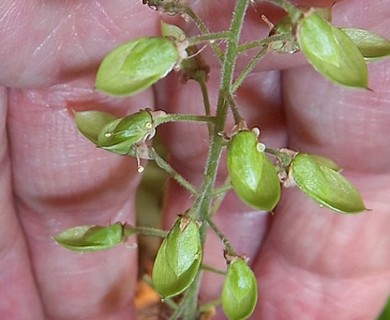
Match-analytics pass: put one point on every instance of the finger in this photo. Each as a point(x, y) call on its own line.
point(46, 42)
point(331, 263)
point(20, 298)
point(62, 180)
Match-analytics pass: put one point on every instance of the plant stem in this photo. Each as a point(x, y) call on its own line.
point(228, 246)
point(172, 117)
point(208, 37)
point(263, 42)
point(248, 69)
point(173, 173)
point(206, 267)
point(150, 232)
point(203, 29)
point(203, 201)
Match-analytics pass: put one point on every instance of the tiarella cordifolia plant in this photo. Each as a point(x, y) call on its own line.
point(256, 172)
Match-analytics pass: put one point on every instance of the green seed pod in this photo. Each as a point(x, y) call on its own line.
point(121, 134)
point(136, 65)
point(325, 185)
point(239, 292)
point(178, 258)
point(252, 174)
point(91, 238)
point(371, 45)
point(90, 123)
point(331, 52)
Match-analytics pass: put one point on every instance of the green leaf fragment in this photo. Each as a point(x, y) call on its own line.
point(136, 65)
point(331, 52)
point(252, 174)
point(239, 292)
point(325, 185)
point(91, 238)
point(371, 45)
point(178, 258)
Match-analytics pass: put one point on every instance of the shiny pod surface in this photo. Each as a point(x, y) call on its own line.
point(178, 258)
point(252, 174)
point(136, 65)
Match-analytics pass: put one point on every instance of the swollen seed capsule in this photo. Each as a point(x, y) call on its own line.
point(121, 134)
point(325, 185)
point(178, 258)
point(252, 174)
point(331, 52)
point(136, 65)
point(239, 292)
point(371, 45)
point(91, 238)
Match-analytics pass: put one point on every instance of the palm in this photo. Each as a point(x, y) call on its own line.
point(320, 260)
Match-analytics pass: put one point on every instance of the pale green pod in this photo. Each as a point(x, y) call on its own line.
point(331, 52)
point(121, 134)
point(172, 31)
point(371, 45)
point(178, 259)
point(239, 292)
point(136, 65)
point(325, 185)
point(252, 174)
point(90, 123)
point(91, 238)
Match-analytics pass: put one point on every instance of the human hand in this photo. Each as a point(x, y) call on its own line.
point(311, 263)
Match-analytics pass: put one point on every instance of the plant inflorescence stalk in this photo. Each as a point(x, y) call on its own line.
point(203, 201)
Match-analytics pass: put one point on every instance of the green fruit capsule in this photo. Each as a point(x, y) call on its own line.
point(325, 185)
point(239, 292)
point(121, 134)
point(331, 52)
point(252, 174)
point(178, 258)
point(136, 65)
point(91, 238)
point(371, 45)
point(90, 123)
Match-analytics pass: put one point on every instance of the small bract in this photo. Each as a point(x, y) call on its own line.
point(331, 52)
point(252, 174)
point(178, 258)
point(92, 237)
point(325, 185)
point(239, 292)
point(136, 65)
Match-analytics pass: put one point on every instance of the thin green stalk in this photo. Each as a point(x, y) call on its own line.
point(248, 69)
point(173, 173)
point(150, 232)
point(263, 42)
point(208, 37)
point(206, 267)
point(172, 117)
point(204, 30)
point(204, 197)
point(225, 241)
